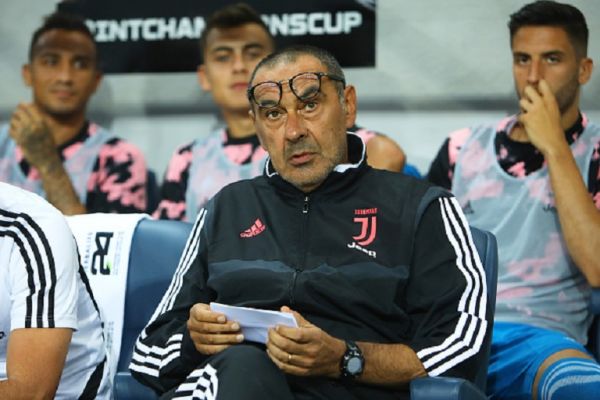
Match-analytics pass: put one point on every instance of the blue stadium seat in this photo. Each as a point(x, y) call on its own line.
point(155, 251)
point(442, 388)
point(411, 170)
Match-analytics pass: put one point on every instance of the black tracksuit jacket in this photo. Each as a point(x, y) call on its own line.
point(415, 279)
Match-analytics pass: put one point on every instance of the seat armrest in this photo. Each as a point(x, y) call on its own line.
point(127, 388)
point(442, 388)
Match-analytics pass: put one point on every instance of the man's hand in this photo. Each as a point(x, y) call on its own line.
point(211, 332)
point(306, 350)
point(29, 130)
point(541, 118)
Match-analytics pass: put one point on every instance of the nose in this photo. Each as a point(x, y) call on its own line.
point(65, 72)
point(535, 72)
point(295, 128)
point(239, 64)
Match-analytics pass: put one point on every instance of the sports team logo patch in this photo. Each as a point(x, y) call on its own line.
point(257, 228)
point(367, 220)
point(368, 225)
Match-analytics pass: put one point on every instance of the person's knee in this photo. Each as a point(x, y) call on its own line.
point(239, 372)
point(252, 374)
point(245, 355)
point(570, 378)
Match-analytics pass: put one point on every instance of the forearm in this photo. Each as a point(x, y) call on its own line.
point(35, 359)
point(59, 188)
point(309, 351)
point(390, 364)
point(579, 218)
point(11, 389)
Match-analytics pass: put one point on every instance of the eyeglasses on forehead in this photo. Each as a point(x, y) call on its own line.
point(305, 86)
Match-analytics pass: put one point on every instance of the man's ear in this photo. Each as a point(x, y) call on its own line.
point(203, 78)
point(586, 65)
point(26, 74)
point(350, 105)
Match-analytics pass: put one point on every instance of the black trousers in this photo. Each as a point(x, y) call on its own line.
point(245, 372)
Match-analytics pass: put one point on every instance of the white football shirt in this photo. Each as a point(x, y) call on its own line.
point(43, 286)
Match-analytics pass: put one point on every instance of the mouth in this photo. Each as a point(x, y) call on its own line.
point(240, 86)
point(299, 159)
point(63, 93)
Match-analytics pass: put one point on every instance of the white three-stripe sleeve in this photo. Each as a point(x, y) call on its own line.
point(43, 270)
point(159, 345)
point(468, 333)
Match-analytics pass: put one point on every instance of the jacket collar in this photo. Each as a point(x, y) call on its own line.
point(341, 176)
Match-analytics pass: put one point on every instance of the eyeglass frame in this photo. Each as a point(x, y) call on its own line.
point(320, 75)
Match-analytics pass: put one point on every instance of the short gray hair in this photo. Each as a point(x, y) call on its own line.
point(292, 53)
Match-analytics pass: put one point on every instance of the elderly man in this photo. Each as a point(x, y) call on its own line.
point(234, 40)
point(377, 268)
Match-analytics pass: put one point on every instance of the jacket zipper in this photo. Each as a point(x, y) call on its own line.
point(304, 238)
point(305, 209)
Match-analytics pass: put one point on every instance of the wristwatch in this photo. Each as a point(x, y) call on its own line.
point(353, 362)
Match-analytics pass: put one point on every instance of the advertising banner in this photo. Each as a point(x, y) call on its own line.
point(163, 36)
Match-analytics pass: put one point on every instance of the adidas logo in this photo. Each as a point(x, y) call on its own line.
point(256, 228)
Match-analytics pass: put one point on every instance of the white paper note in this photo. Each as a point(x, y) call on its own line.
point(254, 322)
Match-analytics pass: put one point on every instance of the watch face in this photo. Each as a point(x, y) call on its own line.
point(354, 365)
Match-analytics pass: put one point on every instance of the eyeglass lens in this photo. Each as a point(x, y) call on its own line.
point(305, 86)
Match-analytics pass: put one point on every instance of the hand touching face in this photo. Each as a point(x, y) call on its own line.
point(541, 117)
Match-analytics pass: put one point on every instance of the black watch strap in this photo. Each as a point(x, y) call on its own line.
point(353, 362)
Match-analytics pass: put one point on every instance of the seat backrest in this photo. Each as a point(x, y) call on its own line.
point(411, 170)
point(155, 251)
point(487, 247)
